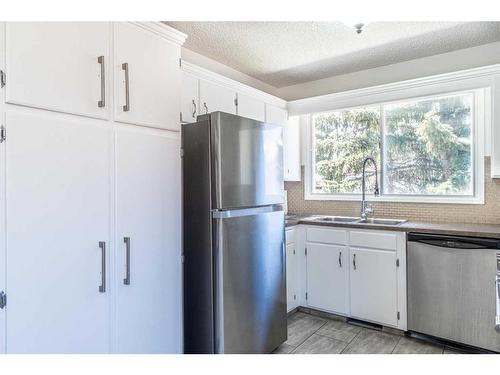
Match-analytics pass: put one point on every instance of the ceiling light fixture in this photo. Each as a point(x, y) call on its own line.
point(359, 27)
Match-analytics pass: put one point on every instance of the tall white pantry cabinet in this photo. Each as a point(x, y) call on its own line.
point(90, 198)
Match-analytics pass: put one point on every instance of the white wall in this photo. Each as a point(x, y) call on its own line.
point(487, 54)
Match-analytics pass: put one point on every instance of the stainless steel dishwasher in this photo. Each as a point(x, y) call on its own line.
point(454, 287)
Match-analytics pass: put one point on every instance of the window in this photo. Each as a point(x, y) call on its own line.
point(425, 150)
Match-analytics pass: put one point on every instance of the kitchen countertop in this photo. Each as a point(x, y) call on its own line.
point(456, 229)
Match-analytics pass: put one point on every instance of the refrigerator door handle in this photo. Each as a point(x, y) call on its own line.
point(225, 214)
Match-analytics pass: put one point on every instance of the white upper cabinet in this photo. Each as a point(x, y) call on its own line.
point(58, 189)
point(251, 107)
point(327, 277)
point(276, 115)
point(214, 97)
point(60, 66)
point(190, 107)
point(291, 149)
point(147, 78)
point(148, 243)
point(374, 285)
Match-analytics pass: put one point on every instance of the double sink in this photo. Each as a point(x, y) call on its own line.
point(356, 220)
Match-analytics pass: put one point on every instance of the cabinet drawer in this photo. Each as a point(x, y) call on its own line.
point(324, 235)
point(374, 239)
point(290, 236)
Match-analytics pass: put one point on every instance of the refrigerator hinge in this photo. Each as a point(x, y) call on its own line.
point(3, 300)
point(3, 134)
point(399, 315)
point(397, 262)
point(2, 78)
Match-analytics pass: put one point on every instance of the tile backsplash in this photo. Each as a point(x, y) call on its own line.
point(428, 212)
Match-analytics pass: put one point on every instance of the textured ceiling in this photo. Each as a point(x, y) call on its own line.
point(287, 53)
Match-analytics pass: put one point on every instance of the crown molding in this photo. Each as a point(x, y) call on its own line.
point(469, 78)
point(239, 87)
point(164, 31)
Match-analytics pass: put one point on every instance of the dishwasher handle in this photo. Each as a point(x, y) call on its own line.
point(454, 241)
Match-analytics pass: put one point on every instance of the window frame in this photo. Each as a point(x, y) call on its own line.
point(480, 119)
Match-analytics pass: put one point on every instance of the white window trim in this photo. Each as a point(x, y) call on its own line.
point(482, 125)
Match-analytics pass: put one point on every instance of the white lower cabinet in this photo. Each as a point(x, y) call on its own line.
point(374, 289)
point(356, 272)
point(148, 212)
point(292, 271)
point(58, 213)
point(67, 280)
point(327, 277)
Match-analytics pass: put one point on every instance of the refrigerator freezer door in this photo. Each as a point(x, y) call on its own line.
point(250, 297)
point(247, 162)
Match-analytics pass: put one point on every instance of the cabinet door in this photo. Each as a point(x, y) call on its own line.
point(216, 98)
point(148, 212)
point(292, 277)
point(54, 65)
point(374, 285)
point(58, 212)
point(3, 312)
point(276, 115)
point(189, 98)
point(251, 108)
point(327, 277)
point(291, 149)
point(154, 78)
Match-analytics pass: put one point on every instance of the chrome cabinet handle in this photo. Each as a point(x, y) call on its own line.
point(206, 108)
point(2, 78)
point(126, 107)
point(340, 259)
point(126, 280)
point(101, 103)
point(194, 108)
point(102, 287)
point(354, 261)
point(497, 293)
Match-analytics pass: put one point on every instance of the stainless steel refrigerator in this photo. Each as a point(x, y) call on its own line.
point(234, 254)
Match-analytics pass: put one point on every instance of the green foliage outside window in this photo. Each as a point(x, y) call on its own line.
point(427, 146)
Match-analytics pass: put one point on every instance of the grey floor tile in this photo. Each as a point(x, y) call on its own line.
point(296, 316)
point(372, 342)
point(317, 344)
point(284, 349)
point(407, 345)
point(301, 327)
point(339, 330)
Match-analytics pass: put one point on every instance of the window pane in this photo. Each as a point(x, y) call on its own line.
point(428, 146)
point(342, 139)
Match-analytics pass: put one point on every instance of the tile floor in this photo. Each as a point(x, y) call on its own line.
point(310, 334)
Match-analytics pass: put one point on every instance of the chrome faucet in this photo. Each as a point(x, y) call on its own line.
point(365, 208)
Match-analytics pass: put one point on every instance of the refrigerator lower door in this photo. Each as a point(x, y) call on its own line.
point(250, 292)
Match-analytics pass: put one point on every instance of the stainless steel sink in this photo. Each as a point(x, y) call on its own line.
point(381, 221)
point(337, 219)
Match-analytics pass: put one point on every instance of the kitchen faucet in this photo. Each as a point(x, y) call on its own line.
point(365, 208)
